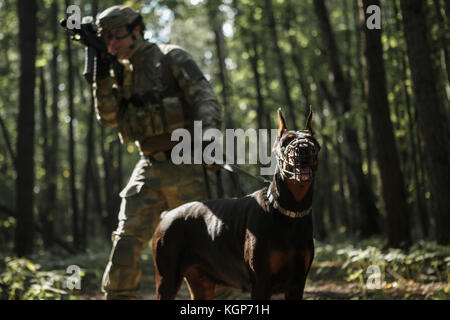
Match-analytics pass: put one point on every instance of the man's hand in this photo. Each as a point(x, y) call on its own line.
point(101, 68)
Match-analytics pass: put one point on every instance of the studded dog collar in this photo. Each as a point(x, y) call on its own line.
point(289, 213)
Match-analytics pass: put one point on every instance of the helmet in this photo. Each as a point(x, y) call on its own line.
point(118, 16)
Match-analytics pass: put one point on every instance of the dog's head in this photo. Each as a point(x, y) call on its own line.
point(296, 151)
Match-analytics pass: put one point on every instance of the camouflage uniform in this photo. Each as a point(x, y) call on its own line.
point(156, 183)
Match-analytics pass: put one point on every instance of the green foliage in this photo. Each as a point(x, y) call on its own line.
point(424, 263)
point(24, 280)
point(44, 275)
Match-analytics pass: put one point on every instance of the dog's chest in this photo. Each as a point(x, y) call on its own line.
point(285, 262)
point(279, 249)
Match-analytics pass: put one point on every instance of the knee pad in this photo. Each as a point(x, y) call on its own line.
point(123, 254)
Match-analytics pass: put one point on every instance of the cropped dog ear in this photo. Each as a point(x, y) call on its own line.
point(281, 123)
point(309, 121)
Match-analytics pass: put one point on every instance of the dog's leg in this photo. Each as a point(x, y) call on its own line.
point(168, 282)
point(168, 287)
point(262, 288)
point(261, 292)
point(168, 279)
point(295, 292)
point(200, 287)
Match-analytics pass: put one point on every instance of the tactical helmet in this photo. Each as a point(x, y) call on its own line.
point(118, 16)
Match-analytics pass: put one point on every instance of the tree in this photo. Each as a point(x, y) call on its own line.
point(280, 62)
point(216, 23)
point(88, 179)
point(433, 123)
point(25, 143)
point(359, 188)
point(392, 184)
point(249, 37)
point(296, 54)
point(415, 152)
point(72, 160)
point(52, 174)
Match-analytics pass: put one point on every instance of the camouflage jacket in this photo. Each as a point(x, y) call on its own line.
point(160, 89)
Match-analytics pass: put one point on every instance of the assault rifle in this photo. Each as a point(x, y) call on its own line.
point(95, 46)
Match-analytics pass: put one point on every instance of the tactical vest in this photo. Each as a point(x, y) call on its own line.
point(152, 115)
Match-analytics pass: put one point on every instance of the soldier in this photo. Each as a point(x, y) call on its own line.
point(151, 90)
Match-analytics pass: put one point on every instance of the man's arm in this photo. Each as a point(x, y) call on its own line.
point(196, 89)
point(105, 98)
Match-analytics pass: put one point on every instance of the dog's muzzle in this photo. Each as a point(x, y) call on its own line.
point(299, 159)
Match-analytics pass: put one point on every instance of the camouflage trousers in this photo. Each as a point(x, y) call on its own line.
point(153, 187)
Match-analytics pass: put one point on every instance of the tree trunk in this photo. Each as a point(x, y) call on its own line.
point(415, 153)
point(88, 174)
point(296, 55)
point(8, 142)
point(447, 10)
point(392, 184)
point(219, 42)
point(280, 63)
point(52, 174)
point(90, 159)
point(254, 58)
point(359, 23)
point(343, 208)
point(433, 123)
point(24, 237)
point(268, 76)
point(348, 42)
point(216, 23)
point(419, 183)
point(73, 189)
point(3, 127)
point(328, 182)
point(443, 38)
point(44, 213)
point(360, 190)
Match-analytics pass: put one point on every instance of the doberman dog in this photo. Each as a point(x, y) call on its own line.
point(261, 243)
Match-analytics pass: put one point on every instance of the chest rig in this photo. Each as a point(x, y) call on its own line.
point(150, 102)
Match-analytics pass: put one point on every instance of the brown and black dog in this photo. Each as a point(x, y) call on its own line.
point(261, 243)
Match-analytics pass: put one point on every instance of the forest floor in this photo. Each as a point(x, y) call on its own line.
point(316, 288)
point(339, 272)
point(324, 288)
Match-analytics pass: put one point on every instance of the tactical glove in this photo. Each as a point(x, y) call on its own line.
point(102, 66)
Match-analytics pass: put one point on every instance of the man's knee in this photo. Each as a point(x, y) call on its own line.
point(125, 252)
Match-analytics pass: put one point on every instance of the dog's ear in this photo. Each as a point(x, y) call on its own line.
point(281, 123)
point(309, 121)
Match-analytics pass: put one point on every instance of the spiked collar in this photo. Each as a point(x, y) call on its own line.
point(276, 205)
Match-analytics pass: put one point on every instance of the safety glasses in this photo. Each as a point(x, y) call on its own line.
point(117, 34)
